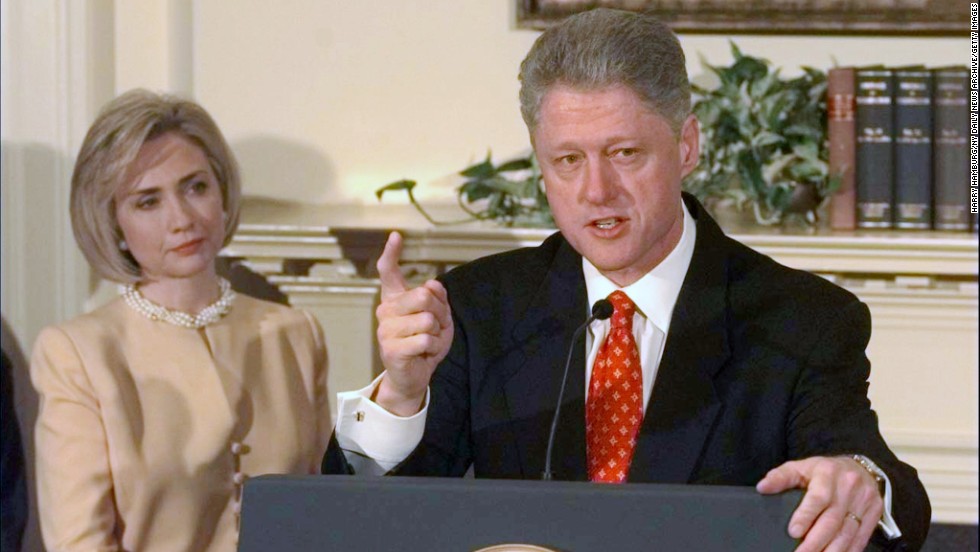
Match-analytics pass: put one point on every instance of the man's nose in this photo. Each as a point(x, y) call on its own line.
point(600, 182)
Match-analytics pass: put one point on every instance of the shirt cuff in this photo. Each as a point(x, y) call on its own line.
point(365, 429)
point(887, 522)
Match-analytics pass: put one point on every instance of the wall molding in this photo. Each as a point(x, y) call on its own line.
point(947, 466)
point(56, 77)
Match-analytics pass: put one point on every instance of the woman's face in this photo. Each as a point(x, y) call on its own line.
point(170, 211)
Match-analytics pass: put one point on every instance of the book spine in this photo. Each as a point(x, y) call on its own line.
point(913, 149)
point(874, 154)
point(951, 165)
point(840, 133)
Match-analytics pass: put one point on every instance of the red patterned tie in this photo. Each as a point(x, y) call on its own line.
point(615, 406)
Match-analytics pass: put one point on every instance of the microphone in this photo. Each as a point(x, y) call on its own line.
point(601, 310)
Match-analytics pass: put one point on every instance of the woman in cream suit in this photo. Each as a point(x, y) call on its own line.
point(155, 408)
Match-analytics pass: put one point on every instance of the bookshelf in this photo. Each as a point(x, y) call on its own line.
point(922, 289)
point(898, 140)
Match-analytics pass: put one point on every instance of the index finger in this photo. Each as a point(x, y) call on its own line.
point(444, 314)
point(392, 279)
point(783, 477)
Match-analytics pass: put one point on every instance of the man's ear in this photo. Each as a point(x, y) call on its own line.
point(690, 145)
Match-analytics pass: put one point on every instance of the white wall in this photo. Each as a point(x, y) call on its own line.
point(353, 95)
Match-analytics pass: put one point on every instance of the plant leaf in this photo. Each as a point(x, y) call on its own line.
point(475, 190)
point(518, 164)
point(766, 138)
point(483, 169)
point(404, 184)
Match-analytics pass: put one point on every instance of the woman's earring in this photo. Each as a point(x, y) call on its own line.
point(123, 246)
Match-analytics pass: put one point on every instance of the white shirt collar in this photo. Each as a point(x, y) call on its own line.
point(655, 294)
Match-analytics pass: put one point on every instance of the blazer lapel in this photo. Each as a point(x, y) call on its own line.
point(683, 406)
point(545, 333)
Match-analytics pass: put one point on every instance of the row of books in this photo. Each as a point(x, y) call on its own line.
point(899, 142)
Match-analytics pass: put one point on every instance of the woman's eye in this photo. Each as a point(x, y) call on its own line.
point(199, 186)
point(145, 203)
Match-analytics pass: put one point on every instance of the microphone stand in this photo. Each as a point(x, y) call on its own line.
point(602, 310)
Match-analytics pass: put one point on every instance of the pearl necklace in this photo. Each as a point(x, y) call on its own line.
point(208, 315)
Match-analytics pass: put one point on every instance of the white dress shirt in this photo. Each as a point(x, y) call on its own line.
point(654, 295)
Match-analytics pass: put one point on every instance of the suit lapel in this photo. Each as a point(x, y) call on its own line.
point(683, 406)
point(545, 332)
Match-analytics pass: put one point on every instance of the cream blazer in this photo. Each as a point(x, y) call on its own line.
point(146, 431)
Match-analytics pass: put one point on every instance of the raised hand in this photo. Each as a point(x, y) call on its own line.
point(840, 509)
point(415, 330)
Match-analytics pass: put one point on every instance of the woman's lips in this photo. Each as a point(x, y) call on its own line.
point(189, 247)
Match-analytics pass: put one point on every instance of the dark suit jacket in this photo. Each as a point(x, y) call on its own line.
point(13, 475)
point(763, 364)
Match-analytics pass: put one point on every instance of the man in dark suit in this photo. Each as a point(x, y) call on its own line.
point(718, 365)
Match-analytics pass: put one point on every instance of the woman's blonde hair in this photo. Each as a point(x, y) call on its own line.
point(103, 164)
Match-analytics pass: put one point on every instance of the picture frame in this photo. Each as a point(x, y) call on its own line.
point(817, 17)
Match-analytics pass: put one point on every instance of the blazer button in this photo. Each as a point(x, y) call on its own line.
point(239, 478)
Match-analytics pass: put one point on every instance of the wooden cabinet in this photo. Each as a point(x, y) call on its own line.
point(921, 289)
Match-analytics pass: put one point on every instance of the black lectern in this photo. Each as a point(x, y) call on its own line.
point(439, 514)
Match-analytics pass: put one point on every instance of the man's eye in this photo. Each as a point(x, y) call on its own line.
point(568, 159)
point(627, 152)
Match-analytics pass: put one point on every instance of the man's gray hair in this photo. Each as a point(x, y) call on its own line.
point(604, 47)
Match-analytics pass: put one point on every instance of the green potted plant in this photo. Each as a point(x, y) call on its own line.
point(763, 140)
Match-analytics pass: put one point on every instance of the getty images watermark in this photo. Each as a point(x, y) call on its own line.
point(974, 105)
